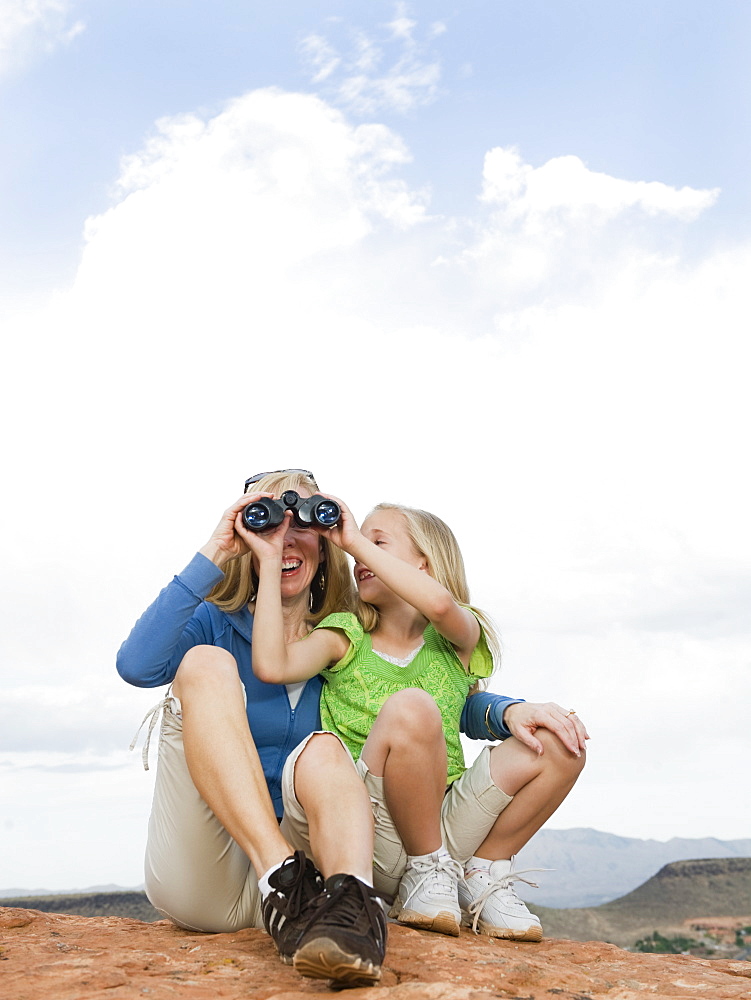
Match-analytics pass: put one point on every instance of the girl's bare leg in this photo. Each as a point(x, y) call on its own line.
point(222, 757)
point(407, 748)
point(539, 785)
point(337, 808)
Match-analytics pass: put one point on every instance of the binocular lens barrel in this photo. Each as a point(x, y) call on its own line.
point(255, 516)
point(264, 514)
point(327, 513)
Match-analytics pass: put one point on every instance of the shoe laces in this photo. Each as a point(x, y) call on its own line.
point(504, 884)
point(446, 868)
point(294, 892)
point(343, 901)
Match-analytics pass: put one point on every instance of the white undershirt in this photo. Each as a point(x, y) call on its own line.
point(403, 661)
point(293, 693)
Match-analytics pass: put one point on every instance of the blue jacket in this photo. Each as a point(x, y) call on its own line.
point(181, 618)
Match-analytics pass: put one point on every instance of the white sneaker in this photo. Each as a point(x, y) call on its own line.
point(427, 896)
point(490, 905)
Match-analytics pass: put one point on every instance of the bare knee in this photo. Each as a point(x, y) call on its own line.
point(411, 715)
point(323, 764)
point(558, 756)
point(203, 665)
point(324, 753)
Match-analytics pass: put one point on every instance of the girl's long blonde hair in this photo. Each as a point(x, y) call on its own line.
point(434, 540)
point(332, 588)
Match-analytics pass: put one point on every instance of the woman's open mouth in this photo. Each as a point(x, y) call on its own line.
point(290, 565)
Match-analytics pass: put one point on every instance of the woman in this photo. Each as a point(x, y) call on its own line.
point(216, 859)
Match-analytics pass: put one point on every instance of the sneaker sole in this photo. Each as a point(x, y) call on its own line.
point(322, 958)
point(507, 933)
point(444, 922)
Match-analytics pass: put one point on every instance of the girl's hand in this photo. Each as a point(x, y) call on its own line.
point(345, 533)
point(225, 542)
point(265, 544)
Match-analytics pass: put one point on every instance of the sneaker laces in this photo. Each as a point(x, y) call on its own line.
point(445, 866)
point(504, 883)
point(294, 893)
point(344, 903)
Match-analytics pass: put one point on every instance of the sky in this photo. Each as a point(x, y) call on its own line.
point(488, 259)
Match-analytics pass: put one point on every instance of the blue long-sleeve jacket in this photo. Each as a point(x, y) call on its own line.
point(181, 618)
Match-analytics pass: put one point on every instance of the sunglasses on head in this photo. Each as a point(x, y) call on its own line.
point(262, 475)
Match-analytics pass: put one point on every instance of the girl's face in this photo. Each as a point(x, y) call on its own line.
point(387, 529)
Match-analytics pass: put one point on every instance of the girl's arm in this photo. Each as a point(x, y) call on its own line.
point(274, 660)
point(415, 586)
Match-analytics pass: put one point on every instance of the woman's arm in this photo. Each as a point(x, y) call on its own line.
point(483, 716)
point(170, 627)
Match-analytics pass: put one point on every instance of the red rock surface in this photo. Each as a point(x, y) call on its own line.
point(112, 958)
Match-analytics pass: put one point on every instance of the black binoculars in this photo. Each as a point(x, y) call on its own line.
point(310, 512)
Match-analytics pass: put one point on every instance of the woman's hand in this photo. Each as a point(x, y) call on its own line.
point(226, 542)
point(523, 719)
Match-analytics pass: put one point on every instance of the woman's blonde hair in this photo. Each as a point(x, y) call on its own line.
point(332, 588)
point(434, 540)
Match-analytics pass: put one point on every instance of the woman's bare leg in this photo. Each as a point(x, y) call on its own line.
point(222, 757)
point(407, 748)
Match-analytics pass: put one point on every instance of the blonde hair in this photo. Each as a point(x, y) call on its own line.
point(436, 542)
point(332, 588)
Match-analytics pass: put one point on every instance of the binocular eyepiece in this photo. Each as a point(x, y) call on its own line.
point(309, 512)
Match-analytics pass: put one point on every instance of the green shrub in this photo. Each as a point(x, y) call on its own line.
point(657, 942)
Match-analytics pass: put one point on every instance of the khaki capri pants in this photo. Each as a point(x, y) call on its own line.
point(196, 874)
point(470, 808)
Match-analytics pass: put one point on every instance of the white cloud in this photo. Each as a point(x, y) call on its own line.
point(561, 233)
point(565, 185)
point(247, 195)
point(28, 27)
point(320, 56)
point(402, 26)
point(368, 75)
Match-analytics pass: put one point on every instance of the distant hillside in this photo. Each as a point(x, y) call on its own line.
point(682, 891)
point(97, 904)
point(592, 867)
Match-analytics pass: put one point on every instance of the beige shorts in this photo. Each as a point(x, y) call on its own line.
point(470, 808)
point(195, 872)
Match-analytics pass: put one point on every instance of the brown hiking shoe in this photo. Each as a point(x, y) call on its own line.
point(345, 939)
point(285, 912)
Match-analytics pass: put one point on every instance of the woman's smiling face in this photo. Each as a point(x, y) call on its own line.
point(301, 556)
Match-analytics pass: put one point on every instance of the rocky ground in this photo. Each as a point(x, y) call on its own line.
point(115, 958)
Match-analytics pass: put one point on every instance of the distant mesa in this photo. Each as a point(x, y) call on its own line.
point(705, 900)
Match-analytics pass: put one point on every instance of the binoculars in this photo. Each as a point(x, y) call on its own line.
point(309, 512)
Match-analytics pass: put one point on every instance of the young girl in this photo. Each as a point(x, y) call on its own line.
point(398, 675)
